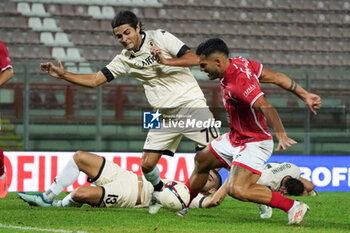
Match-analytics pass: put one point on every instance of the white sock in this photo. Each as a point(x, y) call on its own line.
point(65, 177)
point(68, 201)
point(153, 176)
point(3, 176)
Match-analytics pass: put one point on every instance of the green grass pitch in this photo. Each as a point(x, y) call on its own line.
point(330, 212)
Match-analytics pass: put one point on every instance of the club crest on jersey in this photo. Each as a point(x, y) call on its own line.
point(150, 43)
point(151, 120)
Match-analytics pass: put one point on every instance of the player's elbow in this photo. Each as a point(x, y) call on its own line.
point(95, 80)
point(10, 73)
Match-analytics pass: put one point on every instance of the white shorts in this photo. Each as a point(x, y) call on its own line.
point(252, 155)
point(120, 187)
point(166, 142)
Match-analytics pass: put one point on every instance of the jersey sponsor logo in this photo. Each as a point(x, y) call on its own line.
point(281, 168)
point(249, 90)
point(151, 120)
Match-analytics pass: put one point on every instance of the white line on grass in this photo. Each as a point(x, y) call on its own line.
point(37, 229)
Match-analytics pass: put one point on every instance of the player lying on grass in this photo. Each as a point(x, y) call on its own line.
point(279, 177)
point(115, 187)
point(249, 144)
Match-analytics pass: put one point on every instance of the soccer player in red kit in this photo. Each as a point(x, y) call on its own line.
point(249, 144)
point(6, 72)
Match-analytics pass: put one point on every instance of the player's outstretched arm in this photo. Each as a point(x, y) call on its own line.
point(217, 198)
point(5, 76)
point(274, 121)
point(312, 100)
point(186, 60)
point(87, 80)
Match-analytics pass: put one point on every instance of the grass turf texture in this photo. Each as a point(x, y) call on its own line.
point(329, 213)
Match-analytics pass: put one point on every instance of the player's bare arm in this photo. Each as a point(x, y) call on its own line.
point(5, 76)
point(87, 80)
point(186, 60)
point(308, 186)
point(312, 100)
point(274, 121)
point(217, 198)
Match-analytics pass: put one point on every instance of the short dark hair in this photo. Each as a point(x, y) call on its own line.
point(211, 46)
point(294, 187)
point(218, 176)
point(126, 17)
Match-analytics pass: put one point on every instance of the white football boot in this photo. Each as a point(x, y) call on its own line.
point(297, 212)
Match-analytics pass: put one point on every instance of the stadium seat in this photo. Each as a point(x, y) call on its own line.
point(24, 8)
point(73, 54)
point(47, 38)
point(49, 24)
point(337, 46)
point(85, 68)
point(35, 23)
point(61, 39)
point(9, 8)
point(94, 12)
point(59, 53)
point(108, 12)
point(309, 45)
point(335, 59)
point(38, 10)
point(15, 51)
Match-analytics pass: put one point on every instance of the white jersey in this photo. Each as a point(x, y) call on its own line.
point(165, 86)
point(273, 174)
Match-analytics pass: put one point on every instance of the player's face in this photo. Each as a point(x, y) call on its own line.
point(128, 36)
point(211, 183)
point(209, 66)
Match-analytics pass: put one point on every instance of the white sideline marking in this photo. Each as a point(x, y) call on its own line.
point(37, 229)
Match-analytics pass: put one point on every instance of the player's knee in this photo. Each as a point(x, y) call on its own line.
point(79, 194)
point(237, 192)
point(201, 162)
point(147, 166)
point(78, 156)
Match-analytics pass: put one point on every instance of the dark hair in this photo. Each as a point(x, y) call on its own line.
point(211, 46)
point(294, 187)
point(126, 17)
point(219, 179)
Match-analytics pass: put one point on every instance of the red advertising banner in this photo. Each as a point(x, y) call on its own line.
point(35, 171)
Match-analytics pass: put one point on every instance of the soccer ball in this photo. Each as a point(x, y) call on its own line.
point(174, 196)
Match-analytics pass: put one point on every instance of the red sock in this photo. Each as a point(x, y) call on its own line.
point(281, 202)
point(2, 167)
point(193, 194)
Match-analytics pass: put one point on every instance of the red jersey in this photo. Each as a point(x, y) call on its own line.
point(240, 89)
point(5, 61)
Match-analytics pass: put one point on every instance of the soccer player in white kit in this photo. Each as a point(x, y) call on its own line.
point(249, 144)
point(285, 179)
point(169, 85)
point(113, 186)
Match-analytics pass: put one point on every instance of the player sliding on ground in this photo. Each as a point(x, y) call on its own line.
point(115, 187)
point(249, 144)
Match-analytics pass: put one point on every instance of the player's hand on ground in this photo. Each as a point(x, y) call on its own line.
point(313, 102)
point(284, 141)
point(157, 53)
point(51, 69)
